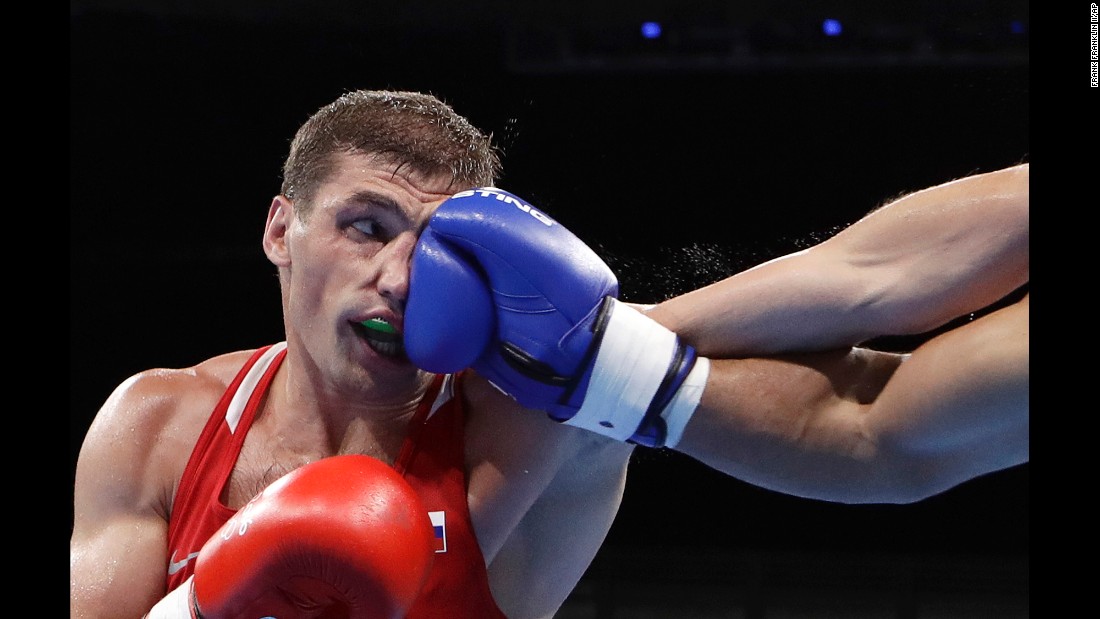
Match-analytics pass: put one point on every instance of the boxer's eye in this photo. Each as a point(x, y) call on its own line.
point(369, 228)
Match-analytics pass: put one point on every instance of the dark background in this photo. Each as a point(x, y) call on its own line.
point(741, 134)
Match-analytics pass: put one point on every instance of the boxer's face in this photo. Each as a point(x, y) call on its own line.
point(347, 262)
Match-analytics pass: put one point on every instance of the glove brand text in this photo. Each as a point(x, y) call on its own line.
point(507, 198)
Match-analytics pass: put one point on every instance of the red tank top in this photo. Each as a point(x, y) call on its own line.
point(432, 460)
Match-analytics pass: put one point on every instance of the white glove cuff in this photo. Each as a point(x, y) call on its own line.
point(175, 605)
point(633, 359)
point(686, 400)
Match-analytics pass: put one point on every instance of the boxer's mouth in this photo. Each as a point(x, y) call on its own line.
point(382, 337)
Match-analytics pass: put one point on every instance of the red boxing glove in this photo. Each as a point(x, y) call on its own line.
point(344, 537)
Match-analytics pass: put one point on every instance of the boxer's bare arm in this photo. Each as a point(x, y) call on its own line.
point(550, 549)
point(544, 483)
point(126, 472)
point(116, 554)
point(906, 268)
point(864, 426)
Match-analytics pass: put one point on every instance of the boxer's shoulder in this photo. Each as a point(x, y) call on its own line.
point(170, 396)
point(159, 413)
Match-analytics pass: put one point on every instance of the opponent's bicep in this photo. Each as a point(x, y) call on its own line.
point(548, 552)
point(959, 406)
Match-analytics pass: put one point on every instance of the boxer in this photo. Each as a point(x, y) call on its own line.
point(394, 250)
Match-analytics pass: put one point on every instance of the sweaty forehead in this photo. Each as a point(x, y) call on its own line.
point(354, 173)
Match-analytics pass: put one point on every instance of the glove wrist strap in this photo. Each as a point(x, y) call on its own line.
point(684, 402)
point(633, 363)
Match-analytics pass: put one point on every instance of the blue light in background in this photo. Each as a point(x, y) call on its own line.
point(831, 27)
point(651, 29)
point(1017, 27)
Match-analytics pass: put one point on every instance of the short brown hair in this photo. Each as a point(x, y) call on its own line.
point(410, 128)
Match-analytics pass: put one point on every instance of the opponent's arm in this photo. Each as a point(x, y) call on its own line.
point(906, 268)
point(865, 426)
point(548, 331)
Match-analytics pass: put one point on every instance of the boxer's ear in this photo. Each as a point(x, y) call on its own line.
point(279, 215)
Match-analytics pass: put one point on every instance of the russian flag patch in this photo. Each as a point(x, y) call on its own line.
point(439, 527)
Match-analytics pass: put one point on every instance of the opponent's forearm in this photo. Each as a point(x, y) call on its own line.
point(865, 426)
point(792, 303)
point(942, 252)
point(792, 423)
point(906, 268)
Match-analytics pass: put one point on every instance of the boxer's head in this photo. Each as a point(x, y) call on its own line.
point(410, 129)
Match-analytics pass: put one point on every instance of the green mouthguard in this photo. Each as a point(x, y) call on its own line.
point(376, 324)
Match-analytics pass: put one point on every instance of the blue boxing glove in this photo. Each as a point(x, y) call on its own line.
point(499, 286)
